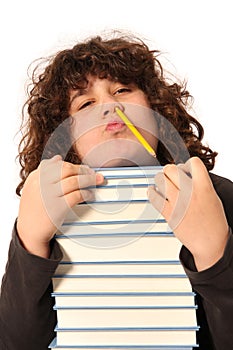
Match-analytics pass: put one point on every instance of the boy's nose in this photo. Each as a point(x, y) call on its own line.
point(110, 109)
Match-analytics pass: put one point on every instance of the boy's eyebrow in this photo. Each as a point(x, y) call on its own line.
point(78, 93)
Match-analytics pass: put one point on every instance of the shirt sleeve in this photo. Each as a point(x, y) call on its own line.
point(27, 319)
point(215, 288)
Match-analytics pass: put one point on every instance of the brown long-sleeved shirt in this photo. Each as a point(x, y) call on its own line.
point(27, 319)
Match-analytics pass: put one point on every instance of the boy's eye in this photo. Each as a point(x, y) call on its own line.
point(85, 104)
point(122, 90)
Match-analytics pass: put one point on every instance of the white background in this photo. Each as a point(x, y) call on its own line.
point(196, 37)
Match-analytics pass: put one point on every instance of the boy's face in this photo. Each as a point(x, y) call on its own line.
point(100, 137)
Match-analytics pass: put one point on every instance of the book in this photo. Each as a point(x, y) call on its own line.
point(140, 283)
point(54, 346)
point(113, 248)
point(73, 229)
point(110, 267)
point(124, 299)
point(125, 184)
point(114, 211)
point(129, 337)
point(119, 193)
point(120, 284)
point(134, 172)
point(125, 316)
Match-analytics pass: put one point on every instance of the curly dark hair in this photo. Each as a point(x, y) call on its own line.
point(127, 59)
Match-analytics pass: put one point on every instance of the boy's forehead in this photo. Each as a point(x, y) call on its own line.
point(83, 86)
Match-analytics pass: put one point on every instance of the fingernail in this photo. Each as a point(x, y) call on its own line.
point(99, 178)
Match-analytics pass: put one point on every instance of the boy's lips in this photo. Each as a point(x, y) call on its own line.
point(115, 125)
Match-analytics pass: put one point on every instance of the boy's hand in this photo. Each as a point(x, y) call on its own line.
point(48, 193)
point(185, 196)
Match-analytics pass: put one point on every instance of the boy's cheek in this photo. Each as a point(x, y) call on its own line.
point(84, 124)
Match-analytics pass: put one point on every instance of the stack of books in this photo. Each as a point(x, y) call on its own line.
point(120, 284)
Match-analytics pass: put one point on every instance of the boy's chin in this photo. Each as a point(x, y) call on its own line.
point(118, 153)
point(118, 162)
point(142, 158)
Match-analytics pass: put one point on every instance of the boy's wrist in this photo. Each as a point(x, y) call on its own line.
point(33, 246)
point(209, 256)
point(39, 249)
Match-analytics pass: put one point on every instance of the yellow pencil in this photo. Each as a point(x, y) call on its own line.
point(140, 138)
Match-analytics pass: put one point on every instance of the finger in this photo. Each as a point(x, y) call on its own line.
point(179, 208)
point(58, 209)
point(69, 169)
point(46, 167)
point(186, 167)
point(196, 169)
point(156, 198)
point(200, 173)
point(54, 169)
point(77, 197)
point(78, 182)
point(160, 184)
point(172, 193)
point(171, 172)
point(60, 170)
point(166, 187)
point(169, 184)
